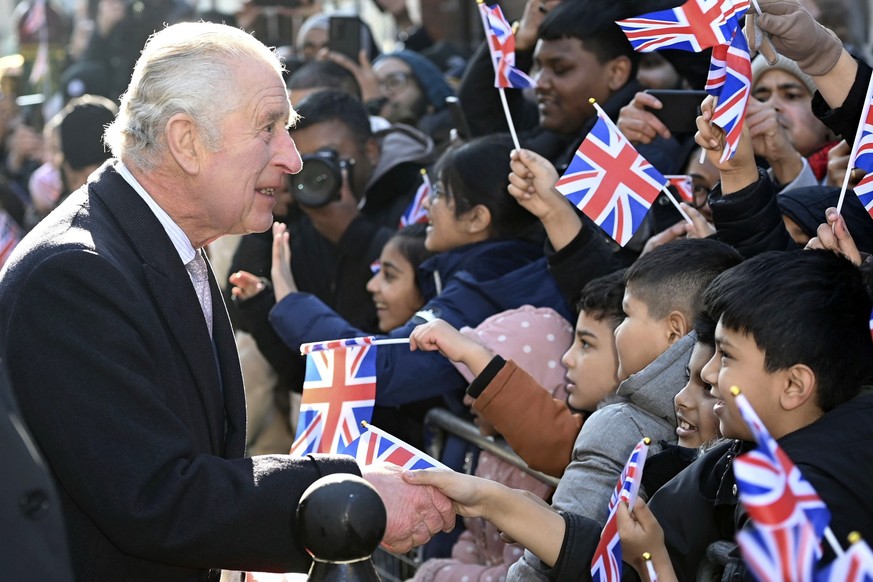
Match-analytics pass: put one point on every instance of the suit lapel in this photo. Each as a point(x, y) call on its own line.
point(171, 288)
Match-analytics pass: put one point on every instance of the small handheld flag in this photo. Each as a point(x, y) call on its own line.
point(861, 157)
point(377, 446)
point(856, 565)
point(416, 211)
point(694, 26)
point(606, 564)
point(369, 340)
point(610, 181)
point(684, 186)
point(339, 391)
point(730, 80)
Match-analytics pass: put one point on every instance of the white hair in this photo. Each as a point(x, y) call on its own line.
point(185, 68)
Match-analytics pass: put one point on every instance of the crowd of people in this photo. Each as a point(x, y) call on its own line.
point(189, 207)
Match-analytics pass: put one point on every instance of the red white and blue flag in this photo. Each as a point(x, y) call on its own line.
point(684, 186)
point(377, 446)
point(694, 26)
point(501, 43)
point(855, 565)
point(10, 236)
point(610, 181)
point(339, 391)
point(606, 564)
point(730, 80)
point(864, 159)
point(416, 211)
point(788, 518)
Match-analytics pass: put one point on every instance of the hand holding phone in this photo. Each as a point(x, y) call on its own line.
point(679, 109)
point(344, 36)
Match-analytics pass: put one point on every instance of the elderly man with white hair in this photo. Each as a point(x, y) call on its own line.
point(118, 343)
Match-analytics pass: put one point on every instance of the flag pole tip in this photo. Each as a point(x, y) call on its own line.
point(647, 440)
point(592, 100)
point(647, 556)
point(854, 537)
point(423, 172)
point(735, 390)
point(365, 424)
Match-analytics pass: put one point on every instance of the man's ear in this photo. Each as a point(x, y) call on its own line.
point(478, 219)
point(678, 326)
point(800, 385)
point(619, 71)
point(373, 151)
point(183, 143)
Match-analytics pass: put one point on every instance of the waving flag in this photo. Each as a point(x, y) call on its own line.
point(784, 553)
point(684, 186)
point(788, 518)
point(416, 212)
point(730, 79)
point(339, 391)
point(855, 565)
point(694, 26)
point(377, 446)
point(772, 482)
point(610, 181)
point(864, 159)
point(606, 564)
point(501, 43)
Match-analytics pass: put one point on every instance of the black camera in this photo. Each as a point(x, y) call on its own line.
point(318, 183)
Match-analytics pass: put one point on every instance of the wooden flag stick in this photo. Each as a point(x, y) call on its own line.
point(509, 118)
point(675, 202)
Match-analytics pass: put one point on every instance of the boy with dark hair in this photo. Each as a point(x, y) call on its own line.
point(799, 348)
point(511, 400)
point(654, 344)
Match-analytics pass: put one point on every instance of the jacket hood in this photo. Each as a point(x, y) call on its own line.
point(654, 387)
point(400, 144)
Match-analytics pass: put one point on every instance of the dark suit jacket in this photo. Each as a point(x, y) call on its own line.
point(141, 421)
point(34, 546)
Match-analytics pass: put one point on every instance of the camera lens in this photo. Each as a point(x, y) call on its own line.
point(318, 182)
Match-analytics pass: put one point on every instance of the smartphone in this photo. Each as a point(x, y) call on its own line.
point(459, 120)
point(344, 36)
point(680, 110)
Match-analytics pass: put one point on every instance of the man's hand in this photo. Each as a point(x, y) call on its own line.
point(640, 125)
point(415, 512)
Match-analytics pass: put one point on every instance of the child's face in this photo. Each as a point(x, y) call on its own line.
point(393, 288)
point(696, 423)
point(738, 361)
point(639, 339)
point(592, 363)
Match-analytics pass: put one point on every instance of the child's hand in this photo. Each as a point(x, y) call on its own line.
point(440, 335)
point(639, 531)
point(245, 285)
point(283, 280)
point(737, 172)
point(834, 236)
point(468, 493)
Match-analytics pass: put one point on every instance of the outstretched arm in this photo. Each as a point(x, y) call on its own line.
point(451, 343)
point(519, 514)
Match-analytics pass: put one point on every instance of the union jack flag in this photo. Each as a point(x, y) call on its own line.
point(855, 565)
point(10, 236)
point(377, 446)
point(606, 564)
point(864, 158)
point(610, 181)
point(684, 186)
point(416, 211)
point(780, 554)
point(693, 26)
point(339, 391)
point(501, 43)
point(730, 80)
point(771, 486)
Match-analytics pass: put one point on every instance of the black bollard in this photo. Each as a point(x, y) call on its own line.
point(342, 520)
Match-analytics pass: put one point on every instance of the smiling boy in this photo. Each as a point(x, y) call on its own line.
point(799, 347)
